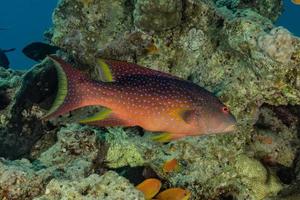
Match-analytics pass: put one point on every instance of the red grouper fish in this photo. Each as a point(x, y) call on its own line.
point(132, 95)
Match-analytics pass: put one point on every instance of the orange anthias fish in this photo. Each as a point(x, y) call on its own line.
point(170, 166)
point(150, 187)
point(174, 194)
point(297, 2)
point(132, 95)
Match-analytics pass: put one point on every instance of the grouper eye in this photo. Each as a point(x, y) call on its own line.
point(225, 109)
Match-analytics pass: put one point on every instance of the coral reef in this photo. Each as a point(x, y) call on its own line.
point(21, 128)
point(278, 44)
point(109, 186)
point(65, 170)
point(9, 82)
point(157, 15)
point(231, 48)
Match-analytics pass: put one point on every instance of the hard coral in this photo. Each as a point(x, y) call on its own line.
point(278, 44)
point(110, 186)
point(157, 15)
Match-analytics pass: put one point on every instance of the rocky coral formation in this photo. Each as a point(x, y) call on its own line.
point(278, 44)
point(231, 48)
point(109, 186)
point(157, 15)
point(21, 128)
point(21, 180)
point(63, 171)
point(9, 82)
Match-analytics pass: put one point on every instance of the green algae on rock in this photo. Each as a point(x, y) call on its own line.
point(122, 151)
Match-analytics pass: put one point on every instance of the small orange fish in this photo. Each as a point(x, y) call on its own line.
point(297, 2)
point(137, 96)
point(264, 139)
point(170, 166)
point(174, 194)
point(152, 49)
point(150, 187)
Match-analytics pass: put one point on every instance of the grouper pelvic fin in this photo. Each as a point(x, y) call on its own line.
point(162, 137)
point(105, 118)
point(102, 114)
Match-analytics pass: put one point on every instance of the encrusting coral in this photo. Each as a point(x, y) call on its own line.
point(231, 48)
point(109, 186)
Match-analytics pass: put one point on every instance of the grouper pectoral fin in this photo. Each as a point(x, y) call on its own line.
point(105, 117)
point(102, 114)
point(166, 137)
point(183, 114)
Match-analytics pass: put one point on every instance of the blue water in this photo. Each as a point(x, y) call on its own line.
point(290, 17)
point(26, 21)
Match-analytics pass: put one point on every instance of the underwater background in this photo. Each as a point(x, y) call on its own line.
point(27, 20)
point(245, 53)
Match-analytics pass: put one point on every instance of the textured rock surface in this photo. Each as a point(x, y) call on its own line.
point(22, 180)
point(9, 82)
point(109, 186)
point(63, 171)
point(157, 15)
point(22, 129)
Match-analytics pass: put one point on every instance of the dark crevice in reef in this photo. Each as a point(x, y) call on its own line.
point(288, 116)
point(129, 5)
point(4, 100)
point(286, 174)
point(227, 197)
point(24, 128)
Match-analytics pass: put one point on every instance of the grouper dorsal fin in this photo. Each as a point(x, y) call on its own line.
point(105, 72)
point(113, 70)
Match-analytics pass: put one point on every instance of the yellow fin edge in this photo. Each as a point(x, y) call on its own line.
point(103, 114)
point(162, 137)
point(106, 74)
point(62, 89)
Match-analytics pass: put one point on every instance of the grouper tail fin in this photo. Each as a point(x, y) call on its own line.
point(74, 89)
